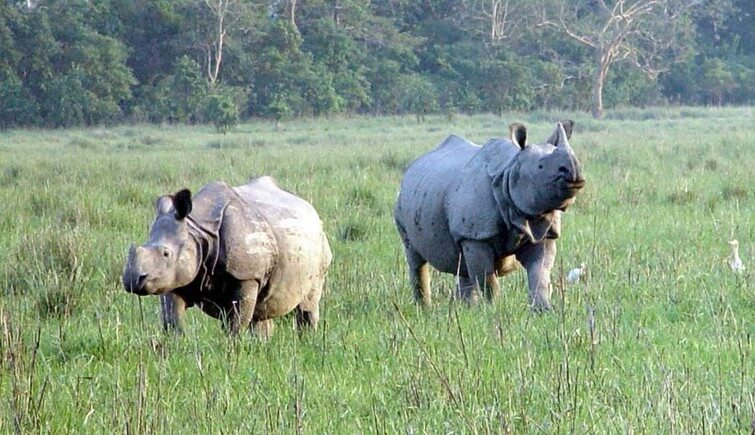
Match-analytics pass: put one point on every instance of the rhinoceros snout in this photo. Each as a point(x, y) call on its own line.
point(571, 173)
point(567, 174)
point(569, 168)
point(133, 279)
point(134, 283)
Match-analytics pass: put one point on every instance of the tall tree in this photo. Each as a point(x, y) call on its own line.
point(91, 79)
point(497, 20)
point(17, 105)
point(648, 33)
point(224, 14)
point(291, 13)
point(153, 32)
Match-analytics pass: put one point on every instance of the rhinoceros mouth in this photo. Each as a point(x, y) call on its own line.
point(570, 188)
point(136, 285)
point(576, 184)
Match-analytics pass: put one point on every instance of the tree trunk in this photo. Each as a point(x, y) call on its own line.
point(604, 62)
point(214, 49)
point(597, 96)
point(291, 12)
point(336, 17)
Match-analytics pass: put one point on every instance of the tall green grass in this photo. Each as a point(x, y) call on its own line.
point(659, 338)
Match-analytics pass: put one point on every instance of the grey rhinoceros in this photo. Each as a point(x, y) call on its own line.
point(243, 254)
point(473, 210)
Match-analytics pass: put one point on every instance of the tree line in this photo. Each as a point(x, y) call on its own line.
point(79, 62)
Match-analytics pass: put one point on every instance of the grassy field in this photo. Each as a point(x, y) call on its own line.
point(671, 352)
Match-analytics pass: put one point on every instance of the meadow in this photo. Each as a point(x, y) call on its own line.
point(671, 350)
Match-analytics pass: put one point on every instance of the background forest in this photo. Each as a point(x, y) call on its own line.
point(77, 62)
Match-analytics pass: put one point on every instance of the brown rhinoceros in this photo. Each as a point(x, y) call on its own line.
point(471, 210)
point(245, 255)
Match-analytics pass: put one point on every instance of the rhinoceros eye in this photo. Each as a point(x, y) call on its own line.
point(165, 252)
point(539, 166)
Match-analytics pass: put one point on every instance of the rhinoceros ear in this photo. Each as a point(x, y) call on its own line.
point(518, 134)
point(182, 203)
point(164, 204)
point(562, 134)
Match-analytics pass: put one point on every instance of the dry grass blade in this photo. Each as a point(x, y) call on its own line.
point(442, 377)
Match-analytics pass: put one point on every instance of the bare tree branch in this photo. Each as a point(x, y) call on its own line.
point(500, 25)
point(494, 15)
point(225, 15)
point(640, 31)
point(572, 33)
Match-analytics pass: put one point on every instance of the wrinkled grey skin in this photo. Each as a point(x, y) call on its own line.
point(244, 255)
point(475, 211)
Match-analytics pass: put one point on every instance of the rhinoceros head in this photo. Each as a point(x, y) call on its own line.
point(544, 177)
point(169, 258)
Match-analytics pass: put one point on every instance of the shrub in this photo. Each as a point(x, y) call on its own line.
point(419, 96)
point(280, 109)
point(222, 111)
point(17, 106)
point(179, 97)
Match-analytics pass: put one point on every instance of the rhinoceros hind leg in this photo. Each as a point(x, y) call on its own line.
point(307, 317)
point(308, 311)
point(419, 276)
point(506, 265)
point(492, 288)
point(263, 329)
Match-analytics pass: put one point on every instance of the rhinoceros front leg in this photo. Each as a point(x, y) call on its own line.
point(538, 259)
point(419, 276)
point(172, 310)
point(263, 329)
point(242, 309)
point(479, 258)
point(467, 290)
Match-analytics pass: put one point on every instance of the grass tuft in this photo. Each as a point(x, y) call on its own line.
point(56, 302)
point(354, 231)
point(681, 197)
point(395, 162)
point(363, 197)
point(735, 192)
point(48, 259)
point(711, 165)
point(82, 143)
point(10, 176)
point(148, 140)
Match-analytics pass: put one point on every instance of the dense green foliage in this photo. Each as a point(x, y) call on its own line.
point(671, 350)
point(77, 62)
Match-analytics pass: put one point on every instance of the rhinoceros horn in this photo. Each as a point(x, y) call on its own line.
point(562, 134)
point(560, 139)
